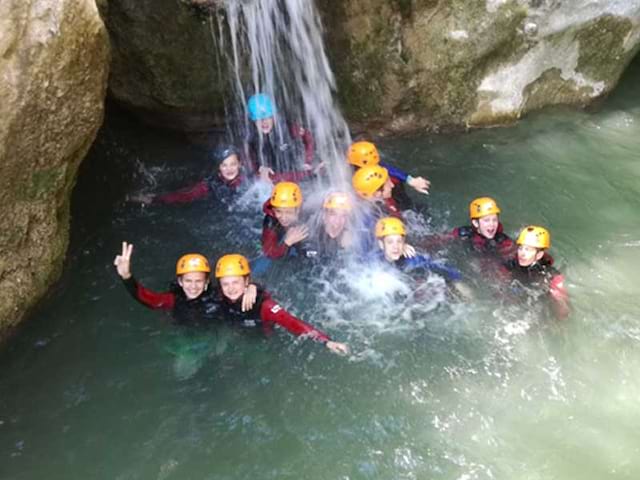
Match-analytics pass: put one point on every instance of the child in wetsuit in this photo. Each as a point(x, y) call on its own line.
point(222, 185)
point(532, 267)
point(276, 148)
point(189, 299)
point(280, 230)
point(233, 275)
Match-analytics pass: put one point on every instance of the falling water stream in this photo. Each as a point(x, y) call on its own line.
point(96, 386)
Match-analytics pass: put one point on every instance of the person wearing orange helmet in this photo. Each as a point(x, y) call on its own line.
point(333, 230)
point(484, 235)
point(532, 267)
point(234, 275)
point(373, 184)
point(363, 153)
point(189, 299)
point(391, 235)
point(281, 230)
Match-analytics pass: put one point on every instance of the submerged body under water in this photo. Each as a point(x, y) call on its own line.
point(97, 386)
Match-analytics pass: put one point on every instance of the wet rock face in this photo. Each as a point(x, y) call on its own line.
point(413, 64)
point(165, 65)
point(54, 60)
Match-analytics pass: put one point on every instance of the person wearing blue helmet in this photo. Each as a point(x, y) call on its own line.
point(278, 151)
point(223, 184)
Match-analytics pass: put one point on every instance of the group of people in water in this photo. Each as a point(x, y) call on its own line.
point(364, 221)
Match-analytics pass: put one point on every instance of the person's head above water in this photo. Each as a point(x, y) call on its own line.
point(363, 154)
point(225, 157)
point(286, 199)
point(372, 183)
point(193, 272)
point(233, 272)
point(262, 112)
point(335, 213)
point(484, 212)
point(532, 243)
point(391, 233)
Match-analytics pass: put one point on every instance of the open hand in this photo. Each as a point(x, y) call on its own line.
point(408, 251)
point(419, 184)
point(296, 234)
point(337, 347)
point(144, 198)
point(249, 297)
point(122, 262)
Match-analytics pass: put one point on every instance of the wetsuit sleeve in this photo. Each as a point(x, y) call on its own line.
point(507, 249)
point(271, 312)
point(196, 192)
point(447, 271)
point(307, 140)
point(559, 297)
point(271, 246)
point(149, 298)
point(392, 209)
point(395, 172)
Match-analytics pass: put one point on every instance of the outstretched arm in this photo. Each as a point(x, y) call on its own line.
point(271, 312)
point(149, 298)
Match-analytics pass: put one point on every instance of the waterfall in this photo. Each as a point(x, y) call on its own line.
point(277, 49)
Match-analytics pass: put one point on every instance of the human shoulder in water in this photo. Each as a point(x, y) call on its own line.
point(228, 178)
point(532, 266)
point(189, 298)
point(278, 150)
point(233, 275)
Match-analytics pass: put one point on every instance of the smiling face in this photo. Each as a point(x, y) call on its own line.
point(392, 247)
point(334, 221)
point(233, 287)
point(487, 226)
point(528, 255)
point(265, 125)
point(287, 216)
point(193, 284)
point(230, 167)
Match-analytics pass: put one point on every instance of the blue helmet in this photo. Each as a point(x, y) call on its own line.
point(222, 152)
point(260, 107)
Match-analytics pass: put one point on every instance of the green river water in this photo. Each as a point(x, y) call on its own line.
point(96, 386)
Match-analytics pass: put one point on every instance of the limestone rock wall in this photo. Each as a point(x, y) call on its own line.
point(400, 64)
point(54, 58)
point(424, 64)
point(167, 66)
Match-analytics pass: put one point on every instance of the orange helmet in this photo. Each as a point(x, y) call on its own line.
point(390, 226)
point(483, 206)
point(192, 262)
point(337, 201)
point(536, 237)
point(232, 265)
point(362, 154)
point(368, 180)
point(286, 194)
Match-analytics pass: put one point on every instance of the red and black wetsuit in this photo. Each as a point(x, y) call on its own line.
point(197, 311)
point(265, 314)
point(215, 186)
point(281, 150)
point(542, 276)
point(273, 233)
